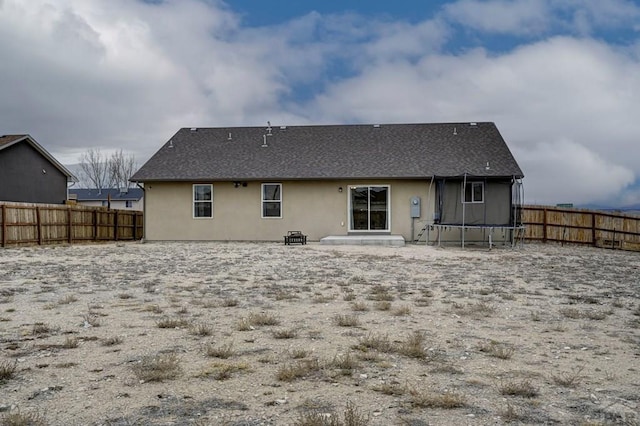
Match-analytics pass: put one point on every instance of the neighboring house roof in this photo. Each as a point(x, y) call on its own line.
point(405, 151)
point(9, 140)
point(132, 194)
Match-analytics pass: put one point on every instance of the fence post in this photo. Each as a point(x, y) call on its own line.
point(593, 229)
point(39, 225)
point(69, 219)
point(4, 225)
point(544, 225)
point(115, 226)
point(95, 224)
point(135, 225)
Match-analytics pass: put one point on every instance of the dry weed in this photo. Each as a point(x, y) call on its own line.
point(569, 379)
point(223, 352)
point(297, 370)
point(496, 349)
point(428, 399)
point(157, 368)
point(346, 320)
point(172, 323)
point(523, 388)
point(8, 370)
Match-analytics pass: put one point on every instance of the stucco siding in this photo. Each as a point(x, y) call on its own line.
point(316, 208)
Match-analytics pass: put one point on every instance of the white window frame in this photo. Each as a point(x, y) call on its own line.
point(194, 201)
point(473, 184)
point(263, 200)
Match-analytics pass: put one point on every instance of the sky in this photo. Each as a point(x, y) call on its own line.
point(560, 78)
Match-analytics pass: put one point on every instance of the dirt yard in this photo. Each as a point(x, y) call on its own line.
point(267, 334)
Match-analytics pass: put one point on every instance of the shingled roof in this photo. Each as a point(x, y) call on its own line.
point(401, 151)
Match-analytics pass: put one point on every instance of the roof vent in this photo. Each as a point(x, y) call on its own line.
point(455, 131)
point(376, 126)
point(283, 127)
point(473, 123)
point(264, 141)
point(269, 128)
point(194, 129)
point(171, 143)
point(229, 138)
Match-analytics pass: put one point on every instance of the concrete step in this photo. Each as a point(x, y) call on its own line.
point(364, 240)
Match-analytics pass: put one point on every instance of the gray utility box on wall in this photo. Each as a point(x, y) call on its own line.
point(415, 207)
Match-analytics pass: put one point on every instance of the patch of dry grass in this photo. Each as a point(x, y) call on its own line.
point(172, 323)
point(413, 346)
point(427, 399)
point(346, 320)
point(8, 370)
point(569, 379)
point(375, 341)
point(299, 369)
point(18, 418)
point(201, 329)
point(496, 349)
point(157, 368)
point(523, 388)
point(222, 351)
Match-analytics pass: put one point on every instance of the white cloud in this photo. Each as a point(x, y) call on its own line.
point(575, 93)
point(501, 16)
point(541, 17)
point(566, 171)
point(126, 74)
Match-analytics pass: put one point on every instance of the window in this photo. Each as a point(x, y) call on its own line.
point(474, 192)
point(128, 204)
point(369, 207)
point(202, 200)
point(271, 200)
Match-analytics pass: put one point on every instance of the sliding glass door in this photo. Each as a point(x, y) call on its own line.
point(369, 208)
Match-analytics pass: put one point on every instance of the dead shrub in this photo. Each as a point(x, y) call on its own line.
point(157, 368)
point(289, 333)
point(523, 388)
point(346, 320)
point(569, 379)
point(172, 323)
point(223, 352)
point(428, 399)
point(413, 346)
point(496, 349)
point(8, 370)
point(375, 341)
point(297, 370)
point(18, 418)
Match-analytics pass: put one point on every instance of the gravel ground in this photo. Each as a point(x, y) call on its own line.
point(266, 334)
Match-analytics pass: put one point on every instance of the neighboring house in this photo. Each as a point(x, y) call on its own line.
point(29, 174)
point(120, 199)
point(257, 183)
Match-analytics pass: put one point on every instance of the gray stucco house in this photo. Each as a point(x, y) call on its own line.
point(257, 183)
point(29, 174)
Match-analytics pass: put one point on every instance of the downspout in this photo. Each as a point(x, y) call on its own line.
point(144, 212)
point(426, 243)
point(464, 192)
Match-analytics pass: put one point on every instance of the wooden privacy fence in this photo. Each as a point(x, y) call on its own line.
point(22, 223)
point(577, 226)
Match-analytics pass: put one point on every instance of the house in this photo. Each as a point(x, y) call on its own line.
point(258, 183)
point(119, 199)
point(29, 174)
